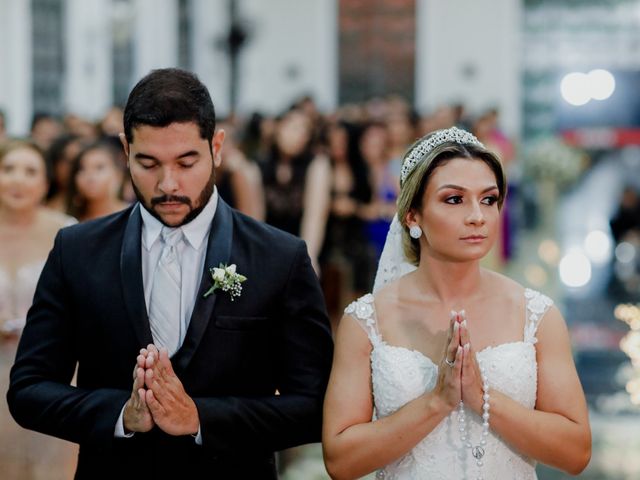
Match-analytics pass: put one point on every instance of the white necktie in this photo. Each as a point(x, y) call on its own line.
point(164, 304)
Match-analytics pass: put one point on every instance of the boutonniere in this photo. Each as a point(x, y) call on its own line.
point(226, 279)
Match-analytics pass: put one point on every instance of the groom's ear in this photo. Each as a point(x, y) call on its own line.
point(125, 143)
point(125, 146)
point(216, 146)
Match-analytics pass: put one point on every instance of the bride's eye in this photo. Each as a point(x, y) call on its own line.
point(490, 200)
point(453, 199)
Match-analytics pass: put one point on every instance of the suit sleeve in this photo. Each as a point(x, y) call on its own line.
point(40, 395)
point(294, 417)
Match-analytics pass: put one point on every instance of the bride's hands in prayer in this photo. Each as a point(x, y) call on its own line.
point(471, 378)
point(449, 387)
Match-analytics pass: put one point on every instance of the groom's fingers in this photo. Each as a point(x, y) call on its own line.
point(139, 378)
point(161, 383)
point(164, 364)
point(156, 408)
point(140, 361)
point(162, 368)
point(137, 417)
point(151, 357)
point(149, 377)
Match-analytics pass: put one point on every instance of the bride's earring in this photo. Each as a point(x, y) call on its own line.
point(415, 232)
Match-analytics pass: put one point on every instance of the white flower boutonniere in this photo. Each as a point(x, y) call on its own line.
point(226, 279)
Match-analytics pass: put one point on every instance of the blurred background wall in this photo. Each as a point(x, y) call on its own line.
point(85, 55)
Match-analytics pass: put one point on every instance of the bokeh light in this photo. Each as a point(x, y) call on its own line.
point(602, 84)
point(597, 245)
point(579, 88)
point(575, 269)
point(575, 88)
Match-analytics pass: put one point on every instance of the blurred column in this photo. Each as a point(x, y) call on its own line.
point(89, 76)
point(16, 58)
point(156, 36)
point(291, 51)
point(469, 51)
point(210, 61)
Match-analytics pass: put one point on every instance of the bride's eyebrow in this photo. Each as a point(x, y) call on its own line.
point(464, 189)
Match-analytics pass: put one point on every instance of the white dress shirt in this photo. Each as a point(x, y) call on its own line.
point(192, 252)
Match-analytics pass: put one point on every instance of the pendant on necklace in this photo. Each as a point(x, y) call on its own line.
point(477, 452)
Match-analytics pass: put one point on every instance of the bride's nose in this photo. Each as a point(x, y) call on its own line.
point(475, 215)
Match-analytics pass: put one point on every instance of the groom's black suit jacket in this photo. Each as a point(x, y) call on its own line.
point(89, 310)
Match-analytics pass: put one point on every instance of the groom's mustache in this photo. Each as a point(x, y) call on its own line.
point(170, 199)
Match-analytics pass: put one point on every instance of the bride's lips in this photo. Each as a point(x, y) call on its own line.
point(474, 238)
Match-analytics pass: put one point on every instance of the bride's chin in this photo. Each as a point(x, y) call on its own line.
point(467, 256)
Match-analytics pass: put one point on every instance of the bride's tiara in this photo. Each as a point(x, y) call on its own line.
point(449, 135)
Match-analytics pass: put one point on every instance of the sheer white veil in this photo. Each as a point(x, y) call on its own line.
point(393, 263)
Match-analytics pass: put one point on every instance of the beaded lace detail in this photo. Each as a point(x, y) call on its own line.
point(400, 375)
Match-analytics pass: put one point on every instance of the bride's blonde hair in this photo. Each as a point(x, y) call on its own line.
point(414, 185)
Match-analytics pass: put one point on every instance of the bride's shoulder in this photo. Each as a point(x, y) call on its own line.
point(500, 283)
point(513, 291)
point(389, 295)
point(367, 304)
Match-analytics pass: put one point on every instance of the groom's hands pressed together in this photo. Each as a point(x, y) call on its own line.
point(137, 417)
point(158, 397)
point(171, 408)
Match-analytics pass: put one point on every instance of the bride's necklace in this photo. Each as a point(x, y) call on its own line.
point(477, 450)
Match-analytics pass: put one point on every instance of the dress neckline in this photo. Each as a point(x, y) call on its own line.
point(383, 344)
point(364, 310)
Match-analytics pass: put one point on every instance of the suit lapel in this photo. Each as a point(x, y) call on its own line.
point(131, 277)
point(218, 251)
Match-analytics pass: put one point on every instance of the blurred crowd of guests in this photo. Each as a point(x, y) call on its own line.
point(331, 179)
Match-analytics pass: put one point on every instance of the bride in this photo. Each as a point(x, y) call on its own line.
point(450, 371)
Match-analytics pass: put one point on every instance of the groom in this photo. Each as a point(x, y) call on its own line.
point(178, 373)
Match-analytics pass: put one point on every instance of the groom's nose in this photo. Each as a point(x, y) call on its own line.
point(168, 183)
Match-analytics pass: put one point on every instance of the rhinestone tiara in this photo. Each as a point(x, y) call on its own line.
point(449, 135)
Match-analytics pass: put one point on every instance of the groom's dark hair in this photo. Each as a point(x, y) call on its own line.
point(169, 95)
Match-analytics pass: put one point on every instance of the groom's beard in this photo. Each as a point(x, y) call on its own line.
point(202, 201)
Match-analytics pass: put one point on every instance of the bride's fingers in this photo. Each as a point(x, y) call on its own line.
point(458, 334)
point(467, 359)
point(470, 356)
point(464, 333)
point(452, 346)
point(452, 325)
point(456, 370)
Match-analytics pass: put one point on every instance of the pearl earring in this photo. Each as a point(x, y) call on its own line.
point(415, 232)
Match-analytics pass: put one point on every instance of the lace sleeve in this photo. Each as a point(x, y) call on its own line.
point(363, 311)
point(537, 305)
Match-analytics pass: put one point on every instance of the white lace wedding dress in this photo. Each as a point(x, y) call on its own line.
point(400, 375)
